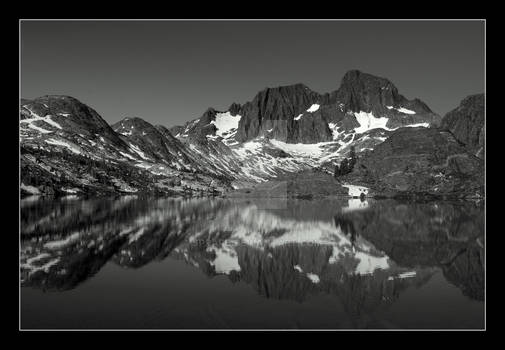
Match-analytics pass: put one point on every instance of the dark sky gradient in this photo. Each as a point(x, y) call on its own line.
point(169, 72)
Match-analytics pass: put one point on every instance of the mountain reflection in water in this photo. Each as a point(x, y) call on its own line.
point(364, 255)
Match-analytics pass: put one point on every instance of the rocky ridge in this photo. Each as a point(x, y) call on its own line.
point(403, 147)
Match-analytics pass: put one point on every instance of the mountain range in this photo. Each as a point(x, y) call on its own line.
point(402, 146)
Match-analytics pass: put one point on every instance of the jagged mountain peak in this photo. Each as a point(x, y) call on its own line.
point(129, 121)
point(234, 108)
point(274, 109)
point(364, 92)
point(358, 75)
point(295, 86)
point(296, 114)
point(292, 92)
point(208, 115)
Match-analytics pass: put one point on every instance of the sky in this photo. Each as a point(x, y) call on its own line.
point(170, 72)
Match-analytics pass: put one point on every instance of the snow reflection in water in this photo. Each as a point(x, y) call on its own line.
point(309, 247)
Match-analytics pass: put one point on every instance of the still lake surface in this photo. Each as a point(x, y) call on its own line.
point(151, 263)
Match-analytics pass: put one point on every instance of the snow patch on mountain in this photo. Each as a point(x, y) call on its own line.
point(226, 123)
point(368, 121)
point(75, 149)
point(226, 127)
point(47, 119)
point(126, 133)
point(35, 127)
point(424, 125)
point(137, 150)
point(313, 108)
point(402, 110)
point(333, 127)
point(128, 155)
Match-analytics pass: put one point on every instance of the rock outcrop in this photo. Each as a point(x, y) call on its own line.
point(421, 161)
point(274, 108)
point(466, 123)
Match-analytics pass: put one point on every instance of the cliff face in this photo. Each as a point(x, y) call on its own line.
point(296, 114)
point(466, 123)
point(275, 108)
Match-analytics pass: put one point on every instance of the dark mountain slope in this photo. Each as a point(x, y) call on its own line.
point(466, 123)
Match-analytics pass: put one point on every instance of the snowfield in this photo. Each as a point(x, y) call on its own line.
point(226, 123)
point(368, 121)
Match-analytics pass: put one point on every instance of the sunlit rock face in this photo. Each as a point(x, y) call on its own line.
point(365, 252)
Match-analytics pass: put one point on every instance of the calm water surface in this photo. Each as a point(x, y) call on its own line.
point(140, 263)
